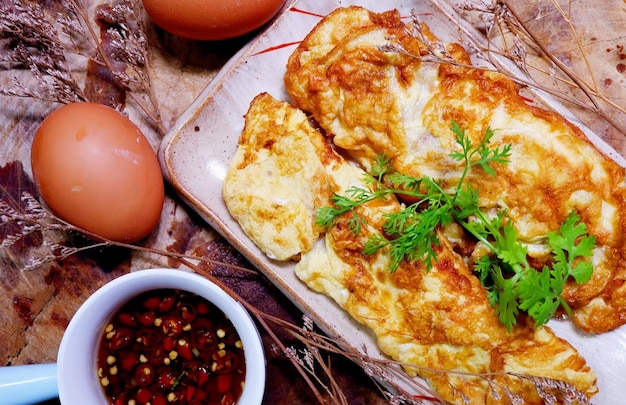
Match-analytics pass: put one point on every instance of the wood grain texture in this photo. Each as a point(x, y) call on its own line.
point(36, 306)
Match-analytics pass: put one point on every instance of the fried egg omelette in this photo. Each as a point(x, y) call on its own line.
point(438, 323)
point(378, 86)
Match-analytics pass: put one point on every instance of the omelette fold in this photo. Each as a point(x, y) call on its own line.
point(370, 84)
point(379, 86)
point(437, 323)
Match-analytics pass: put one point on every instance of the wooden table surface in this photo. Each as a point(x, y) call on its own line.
point(36, 305)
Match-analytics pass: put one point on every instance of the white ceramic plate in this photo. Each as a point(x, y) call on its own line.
point(195, 157)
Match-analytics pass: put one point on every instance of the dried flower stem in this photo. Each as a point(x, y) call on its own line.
point(505, 17)
point(29, 216)
point(137, 59)
point(34, 39)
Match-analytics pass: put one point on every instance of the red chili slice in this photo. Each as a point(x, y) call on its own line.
point(171, 327)
point(169, 344)
point(151, 303)
point(119, 338)
point(128, 360)
point(166, 379)
point(203, 339)
point(147, 318)
point(148, 338)
point(184, 350)
point(203, 308)
point(144, 395)
point(197, 372)
point(159, 399)
point(187, 313)
point(224, 383)
point(127, 319)
point(166, 303)
point(226, 363)
point(144, 375)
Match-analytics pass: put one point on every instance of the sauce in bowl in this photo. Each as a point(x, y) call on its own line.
point(169, 346)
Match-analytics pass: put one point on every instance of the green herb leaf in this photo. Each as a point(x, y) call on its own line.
point(411, 234)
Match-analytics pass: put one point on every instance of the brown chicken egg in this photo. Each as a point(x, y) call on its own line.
point(211, 20)
point(96, 170)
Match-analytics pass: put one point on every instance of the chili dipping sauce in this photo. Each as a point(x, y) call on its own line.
point(170, 347)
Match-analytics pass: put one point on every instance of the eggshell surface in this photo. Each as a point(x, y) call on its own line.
point(96, 170)
point(211, 19)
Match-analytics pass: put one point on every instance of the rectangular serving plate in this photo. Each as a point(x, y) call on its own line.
point(195, 155)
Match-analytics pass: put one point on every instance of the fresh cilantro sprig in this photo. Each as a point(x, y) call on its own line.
point(410, 234)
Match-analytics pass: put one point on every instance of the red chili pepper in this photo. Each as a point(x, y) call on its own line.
point(128, 360)
point(204, 339)
point(224, 383)
point(147, 318)
point(184, 350)
point(127, 319)
point(187, 313)
point(200, 395)
point(169, 343)
point(149, 338)
point(166, 303)
point(144, 395)
point(226, 364)
point(202, 308)
point(166, 379)
point(189, 392)
point(203, 376)
point(120, 338)
point(144, 375)
point(159, 399)
point(156, 356)
point(171, 327)
point(151, 303)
